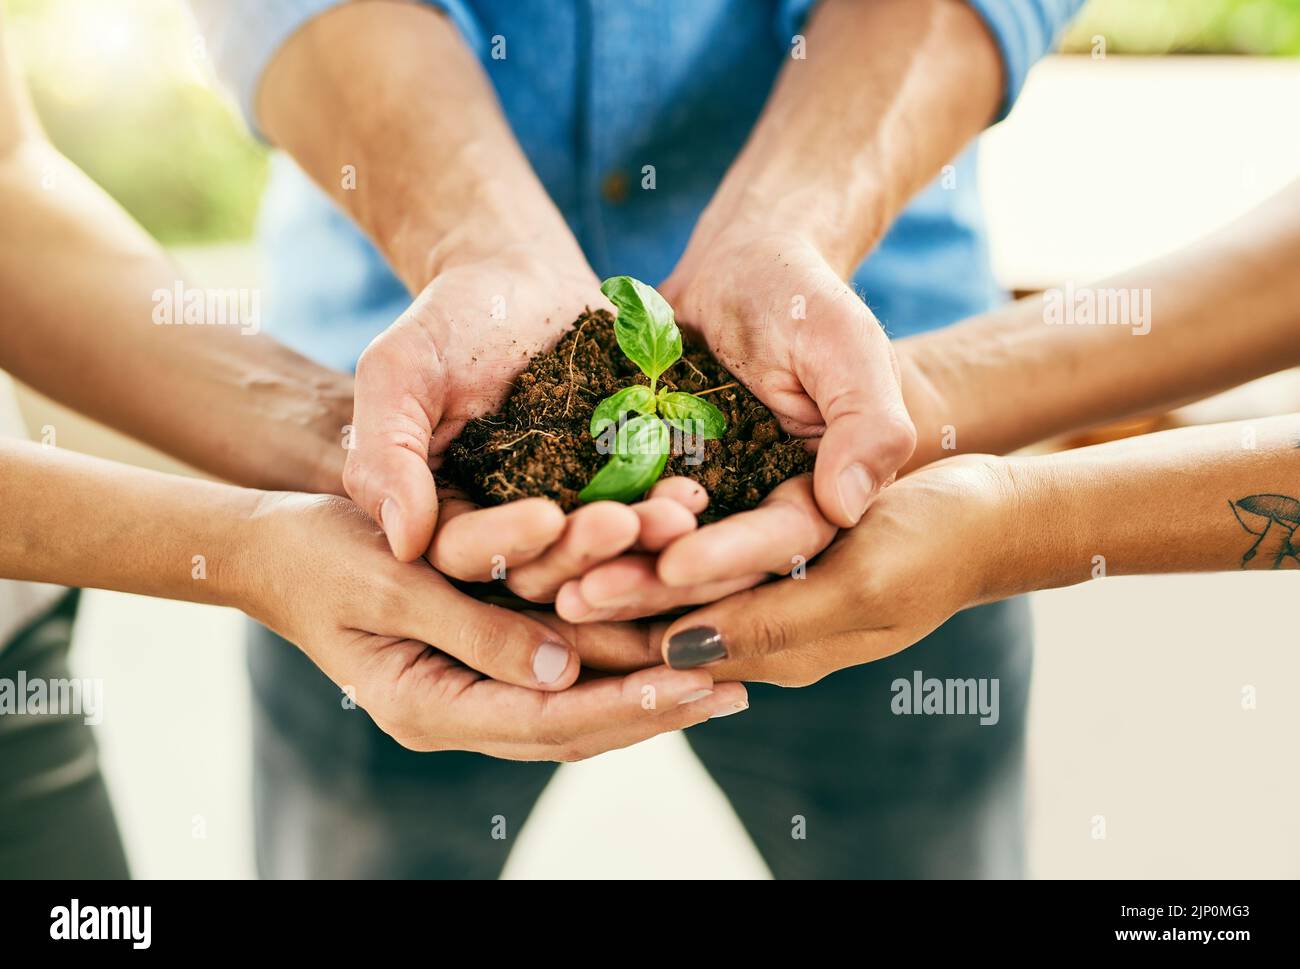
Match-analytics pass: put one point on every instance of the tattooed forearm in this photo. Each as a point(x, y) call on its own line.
point(1273, 519)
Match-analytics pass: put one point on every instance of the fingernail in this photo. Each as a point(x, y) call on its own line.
point(734, 708)
point(692, 697)
point(695, 647)
point(549, 662)
point(855, 487)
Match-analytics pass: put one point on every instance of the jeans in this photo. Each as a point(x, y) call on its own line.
point(55, 817)
point(875, 794)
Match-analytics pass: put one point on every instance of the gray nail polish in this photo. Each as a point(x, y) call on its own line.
point(695, 647)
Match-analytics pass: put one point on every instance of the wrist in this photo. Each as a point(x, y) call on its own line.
point(223, 559)
point(295, 429)
point(497, 221)
point(253, 541)
point(326, 438)
point(320, 466)
point(840, 214)
point(801, 218)
point(1040, 539)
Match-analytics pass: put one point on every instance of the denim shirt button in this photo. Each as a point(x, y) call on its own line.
point(613, 187)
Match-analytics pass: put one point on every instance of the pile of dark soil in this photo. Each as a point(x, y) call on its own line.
point(539, 443)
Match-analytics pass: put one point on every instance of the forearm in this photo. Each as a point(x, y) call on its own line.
point(889, 91)
point(1191, 500)
point(79, 521)
point(1201, 320)
point(78, 324)
point(390, 113)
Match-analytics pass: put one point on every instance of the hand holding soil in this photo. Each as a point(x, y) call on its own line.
point(617, 402)
point(450, 357)
point(553, 439)
point(885, 585)
point(482, 334)
point(778, 316)
point(533, 548)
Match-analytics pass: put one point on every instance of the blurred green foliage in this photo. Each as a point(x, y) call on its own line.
point(124, 89)
point(1264, 27)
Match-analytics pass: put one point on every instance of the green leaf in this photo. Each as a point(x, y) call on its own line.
point(640, 454)
point(645, 327)
point(693, 415)
point(608, 411)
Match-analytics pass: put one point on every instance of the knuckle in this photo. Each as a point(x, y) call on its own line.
point(373, 356)
point(892, 442)
point(390, 594)
point(791, 671)
point(869, 584)
point(546, 731)
point(871, 588)
point(420, 745)
point(554, 739)
point(568, 754)
point(407, 734)
point(774, 634)
point(551, 739)
point(897, 436)
point(482, 646)
point(798, 675)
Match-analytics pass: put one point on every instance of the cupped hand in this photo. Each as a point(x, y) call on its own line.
point(534, 548)
point(437, 669)
point(610, 562)
point(776, 315)
point(451, 357)
point(935, 542)
point(778, 537)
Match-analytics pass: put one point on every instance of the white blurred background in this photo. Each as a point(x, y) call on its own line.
point(1137, 713)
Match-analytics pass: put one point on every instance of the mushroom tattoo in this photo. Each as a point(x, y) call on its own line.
point(1274, 518)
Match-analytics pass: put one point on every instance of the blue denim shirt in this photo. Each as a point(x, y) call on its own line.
point(596, 90)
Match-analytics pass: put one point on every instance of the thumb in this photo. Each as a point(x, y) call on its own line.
point(853, 378)
point(387, 471)
point(782, 615)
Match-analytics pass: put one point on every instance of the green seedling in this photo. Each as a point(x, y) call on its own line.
point(647, 334)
